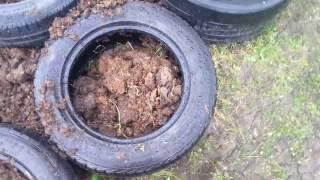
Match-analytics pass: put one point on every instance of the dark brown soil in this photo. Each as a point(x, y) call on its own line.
point(9, 1)
point(17, 107)
point(83, 9)
point(8, 172)
point(129, 91)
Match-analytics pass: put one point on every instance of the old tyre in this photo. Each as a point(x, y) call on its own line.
point(226, 21)
point(127, 156)
point(25, 23)
point(32, 158)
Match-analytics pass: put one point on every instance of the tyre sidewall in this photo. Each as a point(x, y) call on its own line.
point(31, 156)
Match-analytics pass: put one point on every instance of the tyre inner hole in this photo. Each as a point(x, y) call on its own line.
point(126, 85)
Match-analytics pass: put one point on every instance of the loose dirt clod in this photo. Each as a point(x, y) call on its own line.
point(129, 91)
point(17, 67)
point(9, 172)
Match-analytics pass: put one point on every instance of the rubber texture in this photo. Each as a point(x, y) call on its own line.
point(31, 157)
point(99, 153)
point(223, 25)
point(25, 24)
point(237, 7)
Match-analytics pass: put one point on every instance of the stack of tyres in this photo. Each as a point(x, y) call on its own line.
point(109, 155)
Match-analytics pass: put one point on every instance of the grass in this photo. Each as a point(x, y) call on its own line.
point(278, 72)
point(278, 172)
point(277, 78)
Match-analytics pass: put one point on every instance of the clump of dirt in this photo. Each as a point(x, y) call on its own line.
point(17, 67)
point(129, 91)
point(83, 8)
point(7, 172)
point(9, 1)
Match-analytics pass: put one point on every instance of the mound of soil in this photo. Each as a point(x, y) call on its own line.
point(129, 91)
point(17, 67)
point(8, 172)
point(83, 8)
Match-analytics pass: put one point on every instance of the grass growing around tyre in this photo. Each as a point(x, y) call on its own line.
point(268, 109)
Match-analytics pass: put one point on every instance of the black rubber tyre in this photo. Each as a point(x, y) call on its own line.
point(32, 158)
point(128, 156)
point(226, 21)
point(26, 23)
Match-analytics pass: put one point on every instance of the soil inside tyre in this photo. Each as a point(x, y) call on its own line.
point(9, 172)
point(9, 1)
point(130, 90)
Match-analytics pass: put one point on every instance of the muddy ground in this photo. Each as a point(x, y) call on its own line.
point(17, 67)
point(267, 115)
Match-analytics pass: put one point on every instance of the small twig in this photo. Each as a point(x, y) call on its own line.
point(99, 49)
point(124, 135)
point(255, 151)
point(159, 51)
point(153, 123)
point(137, 91)
point(130, 45)
point(118, 111)
point(149, 104)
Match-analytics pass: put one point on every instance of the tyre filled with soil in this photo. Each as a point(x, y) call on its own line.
point(129, 91)
point(114, 93)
